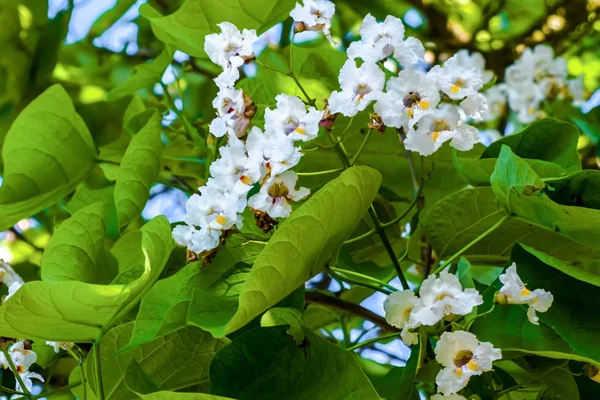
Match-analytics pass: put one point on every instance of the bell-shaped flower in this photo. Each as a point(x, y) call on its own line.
point(444, 297)
point(235, 171)
point(475, 60)
point(57, 346)
point(452, 396)
point(462, 355)
point(196, 240)
point(496, 102)
point(27, 377)
point(229, 105)
point(22, 357)
point(436, 127)
point(291, 119)
point(517, 293)
point(277, 194)
point(398, 308)
point(407, 96)
point(214, 208)
point(8, 276)
point(230, 49)
point(360, 86)
point(526, 101)
point(380, 40)
point(275, 153)
point(314, 15)
point(455, 81)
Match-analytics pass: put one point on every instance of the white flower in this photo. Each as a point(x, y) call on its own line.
point(291, 119)
point(444, 297)
point(60, 345)
point(314, 15)
point(229, 49)
point(517, 293)
point(229, 105)
point(488, 136)
point(8, 276)
point(496, 101)
point(474, 106)
point(407, 96)
point(526, 101)
point(359, 86)
point(235, 171)
point(577, 91)
point(385, 39)
point(12, 289)
point(452, 396)
point(274, 153)
point(21, 357)
point(214, 208)
point(438, 126)
point(456, 81)
point(475, 60)
point(462, 356)
point(398, 308)
point(26, 377)
point(276, 194)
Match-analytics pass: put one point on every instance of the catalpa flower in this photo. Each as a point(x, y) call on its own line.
point(196, 240)
point(462, 356)
point(527, 102)
point(438, 126)
point(517, 293)
point(21, 357)
point(398, 308)
point(456, 81)
point(464, 59)
point(235, 171)
point(8, 276)
point(444, 297)
point(12, 289)
point(57, 346)
point(407, 96)
point(385, 39)
point(229, 105)
point(277, 194)
point(291, 119)
point(229, 49)
point(452, 396)
point(275, 153)
point(313, 15)
point(214, 208)
point(27, 377)
point(496, 101)
point(360, 86)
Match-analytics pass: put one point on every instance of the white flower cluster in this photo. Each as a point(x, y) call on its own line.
point(442, 297)
point(514, 291)
point(536, 77)
point(22, 358)
point(460, 353)
point(431, 107)
point(264, 157)
point(314, 15)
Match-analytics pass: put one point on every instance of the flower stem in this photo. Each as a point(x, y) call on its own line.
point(15, 372)
point(192, 132)
point(98, 371)
point(330, 171)
point(412, 204)
point(472, 243)
point(376, 285)
point(361, 148)
point(360, 237)
point(310, 101)
point(374, 340)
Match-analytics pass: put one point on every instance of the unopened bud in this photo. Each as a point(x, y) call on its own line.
point(500, 298)
point(376, 123)
point(299, 27)
point(328, 118)
point(592, 372)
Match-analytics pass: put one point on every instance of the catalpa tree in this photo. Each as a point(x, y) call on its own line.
point(316, 200)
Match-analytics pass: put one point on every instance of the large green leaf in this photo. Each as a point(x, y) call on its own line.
point(226, 294)
point(512, 175)
point(74, 250)
point(138, 170)
point(549, 146)
point(80, 312)
point(144, 75)
point(181, 396)
point(265, 363)
point(47, 151)
point(175, 361)
point(307, 240)
point(456, 220)
point(579, 189)
point(562, 333)
point(186, 28)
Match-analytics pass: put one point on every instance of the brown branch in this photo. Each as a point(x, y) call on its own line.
point(313, 297)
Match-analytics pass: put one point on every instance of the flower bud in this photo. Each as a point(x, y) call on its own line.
point(328, 118)
point(500, 298)
point(376, 123)
point(299, 27)
point(592, 372)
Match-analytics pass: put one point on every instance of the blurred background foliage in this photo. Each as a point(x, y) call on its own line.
point(91, 46)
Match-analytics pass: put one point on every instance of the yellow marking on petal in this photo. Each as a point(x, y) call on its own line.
point(458, 371)
point(472, 365)
point(300, 130)
point(531, 110)
point(245, 179)
point(525, 292)
point(424, 104)
point(410, 112)
point(221, 220)
point(435, 135)
point(454, 88)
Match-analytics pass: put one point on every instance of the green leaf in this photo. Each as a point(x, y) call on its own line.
point(73, 253)
point(144, 75)
point(113, 152)
point(265, 363)
point(562, 333)
point(285, 316)
point(175, 361)
point(580, 189)
point(79, 312)
point(186, 28)
point(181, 396)
point(514, 176)
point(306, 241)
point(459, 218)
point(47, 151)
point(138, 170)
point(84, 195)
